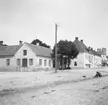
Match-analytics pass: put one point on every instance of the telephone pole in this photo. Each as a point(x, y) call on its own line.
point(56, 26)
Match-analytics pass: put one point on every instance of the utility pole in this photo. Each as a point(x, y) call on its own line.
point(56, 26)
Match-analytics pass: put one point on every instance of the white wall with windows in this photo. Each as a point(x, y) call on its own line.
point(86, 60)
point(89, 60)
point(25, 59)
point(7, 63)
point(78, 62)
point(44, 62)
point(97, 61)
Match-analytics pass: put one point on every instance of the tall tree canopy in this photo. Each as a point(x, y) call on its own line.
point(40, 43)
point(66, 51)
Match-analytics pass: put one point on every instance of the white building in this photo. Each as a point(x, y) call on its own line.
point(87, 57)
point(25, 57)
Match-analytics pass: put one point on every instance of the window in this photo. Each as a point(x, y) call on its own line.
point(18, 62)
point(75, 63)
point(49, 62)
point(40, 61)
point(24, 52)
point(45, 62)
point(7, 62)
point(90, 58)
point(87, 57)
point(30, 61)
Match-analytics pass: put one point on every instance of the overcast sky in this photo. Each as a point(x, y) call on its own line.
point(30, 19)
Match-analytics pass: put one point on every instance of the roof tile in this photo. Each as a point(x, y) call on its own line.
point(9, 50)
point(40, 51)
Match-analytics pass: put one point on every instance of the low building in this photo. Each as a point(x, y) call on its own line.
point(87, 57)
point(97, 59)
point(25, 57)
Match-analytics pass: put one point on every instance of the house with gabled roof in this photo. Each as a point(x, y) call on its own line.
point(25, 57)
point(86, 58)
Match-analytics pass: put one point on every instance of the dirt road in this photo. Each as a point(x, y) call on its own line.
point(90, 92)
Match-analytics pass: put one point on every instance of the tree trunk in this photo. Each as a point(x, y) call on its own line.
point(68, 62)
point(62, 62)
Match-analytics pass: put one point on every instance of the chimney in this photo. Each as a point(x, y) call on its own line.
point(99, 49)
point(104, 51)
point(1, 42)
point(82, 41)
point(37, 44)
point(20, 42)
point(76, 38)
point(89, 47)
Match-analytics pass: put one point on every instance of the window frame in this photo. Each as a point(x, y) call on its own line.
point(49, 62)
point(30, 61)
point(7, 62)
point(75, 63)
point(18, 62)
point(45, 62)
point(40, 62)
point(24, 52)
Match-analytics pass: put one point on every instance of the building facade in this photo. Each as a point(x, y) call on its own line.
point(103, 53)
point(87, 57)
point(25, 57)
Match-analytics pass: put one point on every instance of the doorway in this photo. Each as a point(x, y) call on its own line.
point(24, 62)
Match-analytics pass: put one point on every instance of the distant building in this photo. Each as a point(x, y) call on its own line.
point(87, 57)
point(103, 53)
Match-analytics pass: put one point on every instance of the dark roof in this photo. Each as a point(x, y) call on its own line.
point(81, 47)
point(6, 51)
point(40, 51)
point(95, 52)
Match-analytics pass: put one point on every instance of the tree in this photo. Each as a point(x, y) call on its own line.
point(40, 43)
point(67, 51)
point(2, 44)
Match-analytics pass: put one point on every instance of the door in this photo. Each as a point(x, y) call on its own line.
point(24, 62)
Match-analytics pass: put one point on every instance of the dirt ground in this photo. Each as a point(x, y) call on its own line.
point(89, 92)
point(70, 87)
point(13, 80)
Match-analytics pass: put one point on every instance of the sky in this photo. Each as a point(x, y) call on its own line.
point(27, 20)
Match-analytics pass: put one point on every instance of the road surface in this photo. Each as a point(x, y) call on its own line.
point(89, 92)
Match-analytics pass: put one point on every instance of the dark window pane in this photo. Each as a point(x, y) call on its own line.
point(30, 61)
point(7, 62)
point(75, 63)
point(24, 52)
point(40, 61)
point(49, 62)
point(45, 62)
